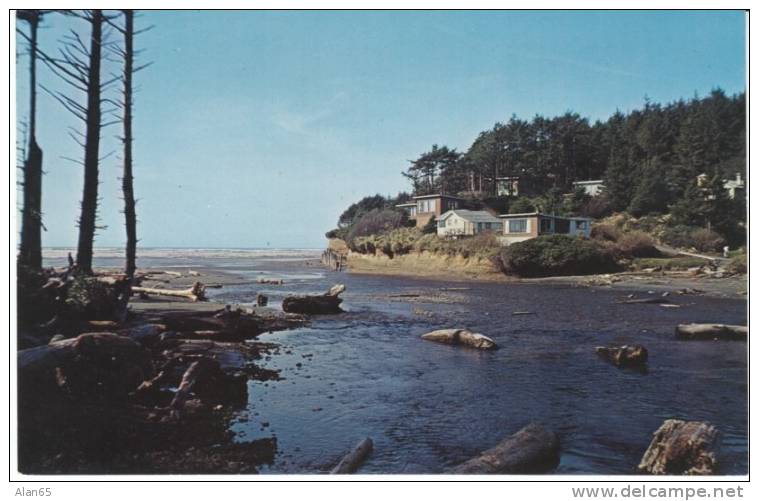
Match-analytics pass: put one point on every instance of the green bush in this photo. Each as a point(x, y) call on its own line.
point(687, 237)
point(552, 255)
point(374, 222)
point(430, 227)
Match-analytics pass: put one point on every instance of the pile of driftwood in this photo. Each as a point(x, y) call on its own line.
point(130, 386)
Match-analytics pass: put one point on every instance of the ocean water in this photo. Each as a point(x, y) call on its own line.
point(427, 407)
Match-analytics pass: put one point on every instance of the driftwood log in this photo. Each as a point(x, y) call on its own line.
point(354, 458)
point(533, 449)
point(624, 356)
point(270, 281)
point(461, 337)
point(196, 293)
point(682, 448)
point(101, 363)
point(711, 331)
point(203, 370)
point(647, 300)
point(326, 303)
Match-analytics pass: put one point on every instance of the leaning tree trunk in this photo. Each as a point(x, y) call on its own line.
point(88, 216)
point(30, 252)
point(127, 179)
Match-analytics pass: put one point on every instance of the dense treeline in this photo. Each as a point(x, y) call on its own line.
point(649, 160)
point(660, 148)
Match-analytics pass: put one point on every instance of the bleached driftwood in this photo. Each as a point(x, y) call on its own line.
point(196, 293)
point(682, 448)
point(199, 371)
point(354, 458)
point(533, 449)
point(647, 300)
point(461, 337)
point(712, 331)
point(328, 302)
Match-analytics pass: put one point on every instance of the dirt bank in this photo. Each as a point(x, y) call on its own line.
point(426, 265)
point(457, 268)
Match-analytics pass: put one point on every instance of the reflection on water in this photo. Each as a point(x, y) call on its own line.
point(429, 406)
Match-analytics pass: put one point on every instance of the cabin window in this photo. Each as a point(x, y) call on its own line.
point(488, 226)
point(581, 225)
point(545, 225)
point(518, 226)
point(561, 226)
point(426, 206)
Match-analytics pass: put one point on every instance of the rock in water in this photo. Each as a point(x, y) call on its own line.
point(461, 337)
point(533, 449)
point(682, 448)
point(624, 356)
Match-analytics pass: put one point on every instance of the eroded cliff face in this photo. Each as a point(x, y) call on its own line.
point(425, 264)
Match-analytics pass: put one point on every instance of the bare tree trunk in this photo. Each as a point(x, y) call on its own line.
point(30, 253)
point(88, 216)
point(127, 179)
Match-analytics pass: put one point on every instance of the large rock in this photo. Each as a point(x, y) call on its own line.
point(682, 448)
point(461, 337)
point(533, 449)
point(624, 356)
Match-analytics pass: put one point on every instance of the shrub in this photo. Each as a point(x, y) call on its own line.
point(597, 207)
point(707, 241)
point(636, 244)
point(430, 227)
point(483, 246)
point(520, 205)
point(693, 237)
point(738, 264)
point(605, 232)
point(374, 222)
point(556, 255)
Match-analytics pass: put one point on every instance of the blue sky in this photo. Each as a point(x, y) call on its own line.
point(256, 129)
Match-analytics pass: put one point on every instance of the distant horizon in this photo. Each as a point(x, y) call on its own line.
point(256, 129)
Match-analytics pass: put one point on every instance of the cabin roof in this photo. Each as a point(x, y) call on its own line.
point(420, 197)
point(534, 214)
point(473, 216)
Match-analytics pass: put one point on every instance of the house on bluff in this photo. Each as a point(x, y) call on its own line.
point(519, 227)
point(425, 207)
point(462, 222)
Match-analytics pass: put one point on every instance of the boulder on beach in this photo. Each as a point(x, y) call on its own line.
point(682, 448)
point(624, 356)
point(461, 337)
point(533, 449)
